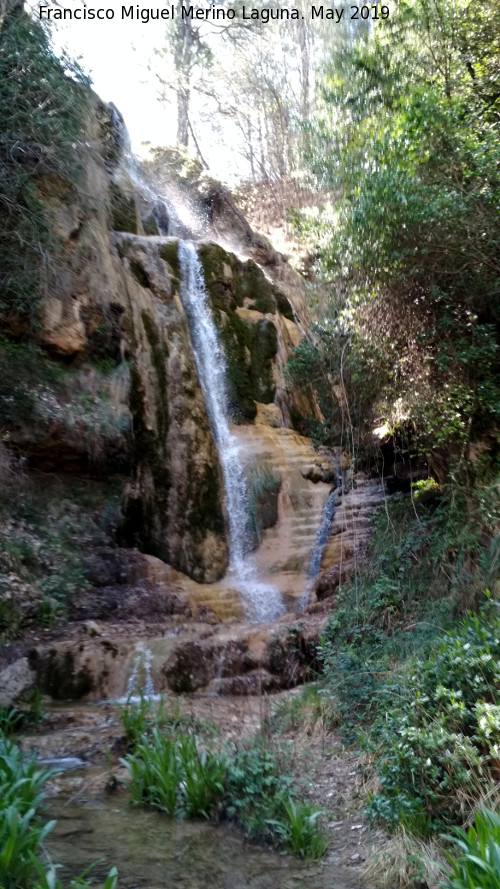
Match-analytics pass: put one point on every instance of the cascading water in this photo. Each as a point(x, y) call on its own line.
point(262, 601)
point(322, 535)
point(140, 682)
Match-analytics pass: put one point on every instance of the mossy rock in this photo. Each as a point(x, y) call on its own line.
point(263, 485)
point(150, 225)
point(250, 349)
point(58, 676)
point(253, 290)
point(169, 253)
point(124, 217)
point(204, 512)
point(231, 283)
point(284, 306)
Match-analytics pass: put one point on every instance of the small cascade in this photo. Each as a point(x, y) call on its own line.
point(262, 602)
point(140, 681)
point(322, 535)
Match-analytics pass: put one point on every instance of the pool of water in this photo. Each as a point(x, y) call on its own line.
point(153, 851)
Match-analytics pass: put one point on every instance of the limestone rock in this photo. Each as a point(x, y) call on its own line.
point(16, 679)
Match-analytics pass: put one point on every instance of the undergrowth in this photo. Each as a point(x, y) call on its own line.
point(45, 532)
point(42, 115)
point(23, 829)
point(411, 658)
point(172, 769)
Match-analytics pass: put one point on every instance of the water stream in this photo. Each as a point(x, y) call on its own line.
point(140, 682)
point(155, 852)
point(322, 535)
point(261, 601)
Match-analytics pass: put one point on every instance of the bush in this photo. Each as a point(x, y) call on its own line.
point(437, 749)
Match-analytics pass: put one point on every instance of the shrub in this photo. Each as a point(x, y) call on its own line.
point(249, 785)
point(437, 748)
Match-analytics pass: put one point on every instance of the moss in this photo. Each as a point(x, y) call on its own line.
point(250, 349)
point(104, 339)
point(253, 289)
point(159, 353)
point(123, 211)
point(247, 284)
point(169, 254)
point(150, 226)
point(213, 258)
point(140, 274)
point(264, 348)
point(142, 514)
point(284, 306)
point(264, 485)
point(58, 678)
point(205, 513)
point(236, 341)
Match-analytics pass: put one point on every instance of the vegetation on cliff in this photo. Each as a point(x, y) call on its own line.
point(42, 114)
point(407, 250)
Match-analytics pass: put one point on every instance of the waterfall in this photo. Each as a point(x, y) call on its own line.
point(140, 682)
point(322, 535)
point(262, 602)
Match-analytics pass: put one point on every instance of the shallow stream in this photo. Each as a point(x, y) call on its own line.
point(156, 852)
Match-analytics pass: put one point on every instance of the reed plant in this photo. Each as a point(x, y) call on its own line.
point(169, 773)
point(22, 829)
point(476, 858)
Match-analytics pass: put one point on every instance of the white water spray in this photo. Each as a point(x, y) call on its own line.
point(262, 602)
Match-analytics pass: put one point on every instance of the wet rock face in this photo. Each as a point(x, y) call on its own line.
point(195, 663)
point(133, 404)
point(248, 310)
point(174, 507)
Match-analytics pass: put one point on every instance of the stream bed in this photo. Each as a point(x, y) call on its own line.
point(156, 852)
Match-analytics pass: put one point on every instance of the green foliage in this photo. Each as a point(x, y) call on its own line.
point(45, 532)
point(23, 367)
point(41, 116)
point(259, 797)
point(437, 748)
point(140, 718)
point(22, 831)
point(300, 832)
point(170, 769)
point(359, 370)
point(476, 859)
point(408, 139)
point(428, 702)
point(28, 715)
point(169, 773)
point(257, 784)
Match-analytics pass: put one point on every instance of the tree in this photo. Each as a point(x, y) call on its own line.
point(408, 135)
